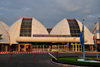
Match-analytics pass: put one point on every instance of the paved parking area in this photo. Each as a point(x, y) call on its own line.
point(27, 60)
point(42, 60)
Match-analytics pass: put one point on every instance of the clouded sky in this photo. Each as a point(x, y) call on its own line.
point(50, 12)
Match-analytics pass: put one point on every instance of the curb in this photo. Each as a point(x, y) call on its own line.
point(65, 65)
point(57, 63)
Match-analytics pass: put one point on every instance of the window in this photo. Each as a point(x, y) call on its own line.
point(49, 30)
point(26, 27)
point(74, 28)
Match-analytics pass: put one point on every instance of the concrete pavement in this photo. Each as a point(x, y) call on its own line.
point(27, 60)
point(42, 60)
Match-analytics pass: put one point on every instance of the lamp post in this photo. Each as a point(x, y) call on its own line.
point(95, 34)
point(95, 42)
point(99, 38)
point(83, 40)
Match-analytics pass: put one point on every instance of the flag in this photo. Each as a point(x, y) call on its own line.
point(82, 36)
point(82, 41)
point(94, 37)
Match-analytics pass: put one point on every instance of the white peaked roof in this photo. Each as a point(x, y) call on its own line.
point(37, 28)
point(96, 27)
point(14, 31)
point(4, 32)
point(62, 28)
point(87, 34)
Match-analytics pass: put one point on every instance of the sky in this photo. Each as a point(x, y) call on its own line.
point(50, 12)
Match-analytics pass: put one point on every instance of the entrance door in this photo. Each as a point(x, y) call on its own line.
point(28, 48)
point(21, 48)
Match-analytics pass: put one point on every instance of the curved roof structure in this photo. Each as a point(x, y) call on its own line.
point(62, 28)
point(88, 35)
point(4, 33)
point(38, 28)
point(66, 27)
point(25, 27)
point(31, 30)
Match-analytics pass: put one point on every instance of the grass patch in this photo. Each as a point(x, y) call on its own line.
point(73, 61)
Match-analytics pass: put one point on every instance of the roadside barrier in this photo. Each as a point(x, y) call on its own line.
point(11, 53)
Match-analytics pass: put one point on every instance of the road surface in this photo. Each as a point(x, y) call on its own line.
point(42, 60)
point(27, 60)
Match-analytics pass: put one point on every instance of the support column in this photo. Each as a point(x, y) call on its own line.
point(58, 47)
point(81, 48)
point(76, 47)
point(24, 47)
point(16, 48)
point(19, 47)
point(6, 48)
point(43, 47)
point(2, 47)
point(73, 47)
point(30, 48)
point(9, 48)
point(65, 48)
point(92, 48)
point(37, 48)
point(49, 48)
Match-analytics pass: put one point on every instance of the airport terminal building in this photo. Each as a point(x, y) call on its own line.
point(28, 34)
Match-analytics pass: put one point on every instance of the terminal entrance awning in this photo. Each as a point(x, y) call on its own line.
point(48, 39)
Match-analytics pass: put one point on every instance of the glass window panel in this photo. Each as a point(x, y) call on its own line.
point(74, 28)
point(26, 28)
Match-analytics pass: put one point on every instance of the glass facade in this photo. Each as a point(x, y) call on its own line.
point(49, 30)
point(74, 28)
point(26, 27)
point(36, 35)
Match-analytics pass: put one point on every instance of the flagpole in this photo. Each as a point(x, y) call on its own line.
point(96, 37)
point(95, 42)
point(83, 43)
point(84, 52)
point(96, 47)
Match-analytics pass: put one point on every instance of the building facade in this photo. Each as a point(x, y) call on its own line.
point(28, 34)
